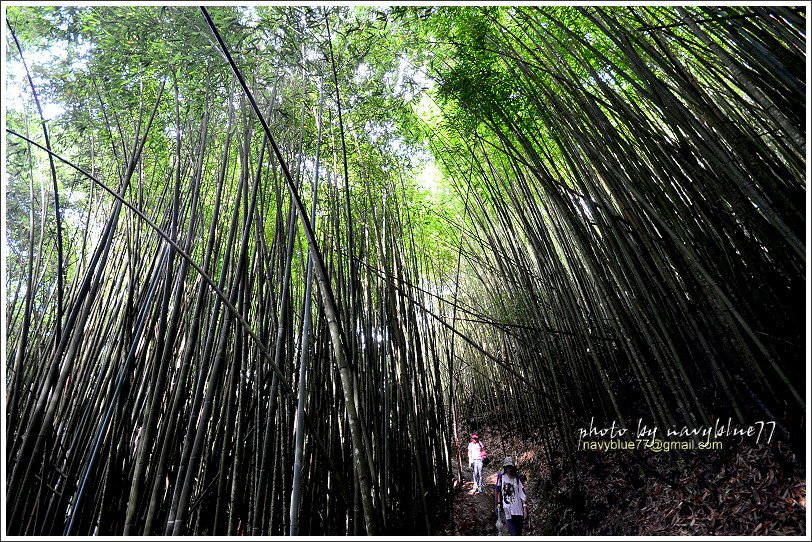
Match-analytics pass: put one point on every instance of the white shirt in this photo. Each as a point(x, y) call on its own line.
point(474, 451)
point(513, 497)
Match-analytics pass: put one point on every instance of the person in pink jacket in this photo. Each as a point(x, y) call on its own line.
point(476, 453)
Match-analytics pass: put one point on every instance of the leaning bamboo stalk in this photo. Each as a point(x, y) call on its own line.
point(331, 308)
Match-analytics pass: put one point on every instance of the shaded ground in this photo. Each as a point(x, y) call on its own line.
point(474, 513)
point(744, 491)
point(740, 491)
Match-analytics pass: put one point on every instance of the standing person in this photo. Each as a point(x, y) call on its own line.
point(476, 452)
point(511, 497)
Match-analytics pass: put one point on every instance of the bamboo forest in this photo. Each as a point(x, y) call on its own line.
point(268, 269)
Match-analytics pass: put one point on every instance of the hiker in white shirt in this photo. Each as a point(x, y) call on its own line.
point(476, 453)
point(511, 497)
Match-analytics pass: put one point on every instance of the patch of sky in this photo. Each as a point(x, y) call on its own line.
point(17, 90)
point(362, 73)
point(312, 54)
point(249, 16)
point(410, 80)
point(429, 177)
point(376, 131)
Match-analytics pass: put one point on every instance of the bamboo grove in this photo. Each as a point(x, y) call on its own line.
point(235, 305)
point(637, 192)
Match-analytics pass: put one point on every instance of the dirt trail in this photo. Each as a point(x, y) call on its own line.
point(748, 490)
point(474, 512)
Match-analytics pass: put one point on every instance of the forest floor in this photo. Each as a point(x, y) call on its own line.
point(745, 491)
point(473, 514)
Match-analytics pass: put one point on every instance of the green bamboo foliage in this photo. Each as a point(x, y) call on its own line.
point(170, 406)
point(639, 189)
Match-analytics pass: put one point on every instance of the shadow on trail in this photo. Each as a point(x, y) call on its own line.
point(474, 512)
